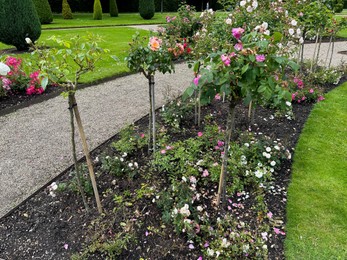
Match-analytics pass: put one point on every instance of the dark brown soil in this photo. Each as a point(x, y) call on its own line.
point(46, 227)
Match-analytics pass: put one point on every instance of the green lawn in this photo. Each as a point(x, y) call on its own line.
point(114, 38)
point(317, 208)
point(86, 20)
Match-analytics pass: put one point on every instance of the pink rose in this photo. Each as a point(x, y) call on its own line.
point(237, 32)
point(260, 57)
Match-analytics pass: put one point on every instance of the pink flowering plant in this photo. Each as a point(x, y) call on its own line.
point(192, 169)
point(17, 81)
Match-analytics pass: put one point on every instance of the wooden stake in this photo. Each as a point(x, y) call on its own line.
point(86, 152)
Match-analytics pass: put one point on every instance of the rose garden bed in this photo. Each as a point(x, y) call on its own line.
point(139, 217)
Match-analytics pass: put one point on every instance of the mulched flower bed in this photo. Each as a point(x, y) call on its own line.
point(55, 227)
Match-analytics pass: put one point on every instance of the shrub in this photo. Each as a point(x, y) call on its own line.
point(18, 20)
point(338, 6)
point(66, 10)
point(113, 8)
point(146, 9)
point(44, 11)
point(97, 11)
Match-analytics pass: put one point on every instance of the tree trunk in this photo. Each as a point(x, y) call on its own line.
point(318, 52)
point(86, 152)
point(327, 56)
point(73, 143)
point(315, 50)
point(228, 132)
point(332, 51)
point(151, 83)
point(150, 115)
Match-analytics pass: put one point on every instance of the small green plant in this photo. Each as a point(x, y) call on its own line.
point(130, 141)
point(174, 113)
point(97, 10)
point(119, 166)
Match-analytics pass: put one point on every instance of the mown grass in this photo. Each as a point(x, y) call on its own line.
point(115, 39)
point(86, 20)
point(317, 208)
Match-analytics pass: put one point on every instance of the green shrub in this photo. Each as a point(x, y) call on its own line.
point(338, 7)
point(113, 8)
point(44, 11)
point(18, 20)
point(66, 10)
point(97, 11)
point(146, 9)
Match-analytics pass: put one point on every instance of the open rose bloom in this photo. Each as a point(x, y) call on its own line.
point(155, 43)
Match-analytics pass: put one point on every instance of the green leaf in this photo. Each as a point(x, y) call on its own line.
point(44, 83)
point(293, 65)
point(251, 58)
point(277, 36)
point(188, 92)
point(244, 68)
point(261, 89)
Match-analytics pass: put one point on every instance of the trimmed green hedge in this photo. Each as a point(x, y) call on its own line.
point(18, 20)
point(44, 11)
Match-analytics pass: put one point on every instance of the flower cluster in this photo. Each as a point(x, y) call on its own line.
point(15, 80)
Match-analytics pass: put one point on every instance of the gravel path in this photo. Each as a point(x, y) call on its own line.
point(35, 141)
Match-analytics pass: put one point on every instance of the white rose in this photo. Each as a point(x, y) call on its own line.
point(4, 69)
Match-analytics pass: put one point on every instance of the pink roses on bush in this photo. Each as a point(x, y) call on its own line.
point(17, 81)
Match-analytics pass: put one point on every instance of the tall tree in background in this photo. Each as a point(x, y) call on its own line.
point(18, 20)
point(44, 11)
point(113, 8)
point(66, 10)
point(146, 9)
point(97, 10)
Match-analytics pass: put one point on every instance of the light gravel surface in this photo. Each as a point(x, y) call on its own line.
point(35, 141)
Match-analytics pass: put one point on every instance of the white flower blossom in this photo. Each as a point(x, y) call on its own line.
point(249, 9)
point(228, 21)
point(291, 31)
point(288, 103)
point(242, 3)
point(255, 4)
point(199, 208)
point(293, 22)
point(28, 40)
point(268, 149)
point(210, 252)
point(272, 163)
point(4, 69)
point(258, 174)
point(185, 210)
point(225, 243)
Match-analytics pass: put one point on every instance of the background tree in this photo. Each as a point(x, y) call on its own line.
point(44, 11)
point(18, 20)
point(113, 8)
point(146, 9)
point(66, 10)
point(97, 10)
